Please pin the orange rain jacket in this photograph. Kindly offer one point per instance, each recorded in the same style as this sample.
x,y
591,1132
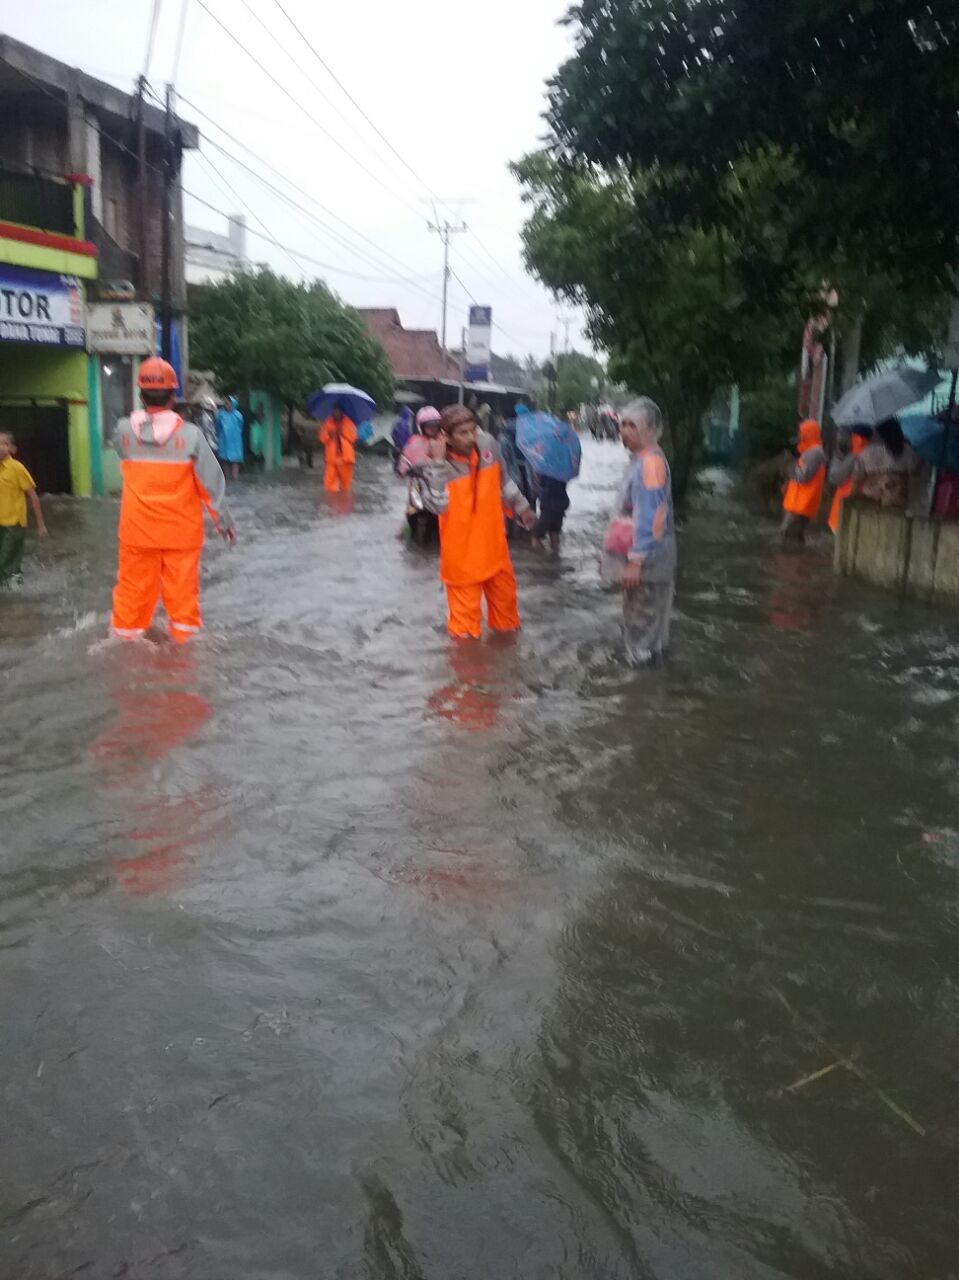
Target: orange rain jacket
x,y
339,444
469,495
804,491
169,475
841,475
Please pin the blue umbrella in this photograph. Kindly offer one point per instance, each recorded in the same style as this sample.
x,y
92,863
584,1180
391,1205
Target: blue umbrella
x,y
356,404
925,434
549,445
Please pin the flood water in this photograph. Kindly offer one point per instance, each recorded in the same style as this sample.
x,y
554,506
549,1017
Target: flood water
x,y
330,949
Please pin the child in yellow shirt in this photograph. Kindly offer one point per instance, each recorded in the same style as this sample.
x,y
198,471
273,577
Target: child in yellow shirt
x,y
16,486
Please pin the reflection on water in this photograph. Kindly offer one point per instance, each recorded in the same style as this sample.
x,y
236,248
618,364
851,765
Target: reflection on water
x,y
329,947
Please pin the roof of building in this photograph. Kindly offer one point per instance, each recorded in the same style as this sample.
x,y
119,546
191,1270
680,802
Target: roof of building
x,y
22,67
413,353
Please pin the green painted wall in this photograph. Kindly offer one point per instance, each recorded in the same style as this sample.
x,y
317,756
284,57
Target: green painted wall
x,y
58,374
271,413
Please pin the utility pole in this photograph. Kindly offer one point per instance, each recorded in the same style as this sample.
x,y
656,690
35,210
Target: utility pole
x,y
444,230
171,170
142,196
565,321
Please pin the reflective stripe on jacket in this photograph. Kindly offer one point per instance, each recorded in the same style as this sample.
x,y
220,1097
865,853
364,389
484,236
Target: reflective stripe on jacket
x,y
169,476
468,495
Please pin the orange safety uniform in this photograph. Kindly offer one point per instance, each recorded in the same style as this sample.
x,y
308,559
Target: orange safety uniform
x,y
169,475
469,496
858,443
804,491
338,440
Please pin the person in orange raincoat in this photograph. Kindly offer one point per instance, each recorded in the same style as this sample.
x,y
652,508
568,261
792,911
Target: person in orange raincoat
x,y
338,438
169,475
804,490
841,472
468,488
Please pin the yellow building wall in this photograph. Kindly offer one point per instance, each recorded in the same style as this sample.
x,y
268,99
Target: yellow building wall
x,y
56,374
40,258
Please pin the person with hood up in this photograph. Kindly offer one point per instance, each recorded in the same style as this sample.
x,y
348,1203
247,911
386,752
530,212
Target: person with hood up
x,y
643,535
804,490
338,436
423,523
468,488
229,434
169,476
841,471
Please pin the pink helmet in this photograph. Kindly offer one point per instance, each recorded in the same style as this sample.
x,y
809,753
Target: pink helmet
x,y
426,415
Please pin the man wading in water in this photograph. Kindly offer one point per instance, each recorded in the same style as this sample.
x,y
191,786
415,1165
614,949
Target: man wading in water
x,y
468,486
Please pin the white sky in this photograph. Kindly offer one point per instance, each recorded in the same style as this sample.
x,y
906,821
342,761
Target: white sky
x,y
456,88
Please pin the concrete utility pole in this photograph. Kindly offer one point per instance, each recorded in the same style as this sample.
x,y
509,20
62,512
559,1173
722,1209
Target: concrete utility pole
x,y
565,321
444,230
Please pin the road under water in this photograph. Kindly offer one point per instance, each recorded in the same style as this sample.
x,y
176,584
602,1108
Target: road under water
x,y
330,949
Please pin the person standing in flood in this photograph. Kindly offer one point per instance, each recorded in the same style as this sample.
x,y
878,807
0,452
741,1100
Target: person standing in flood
x,y
338,438
169,476
841,471
646,498
229,434
17,487
468,487
806,480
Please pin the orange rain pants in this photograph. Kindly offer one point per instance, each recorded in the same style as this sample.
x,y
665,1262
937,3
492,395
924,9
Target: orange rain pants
x,y
147,573
466,605
338,475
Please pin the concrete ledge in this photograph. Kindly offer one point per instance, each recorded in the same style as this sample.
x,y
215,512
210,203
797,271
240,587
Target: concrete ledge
x,y
905,553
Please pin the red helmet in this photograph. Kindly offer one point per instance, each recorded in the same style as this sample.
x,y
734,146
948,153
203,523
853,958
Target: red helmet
x,y
157,375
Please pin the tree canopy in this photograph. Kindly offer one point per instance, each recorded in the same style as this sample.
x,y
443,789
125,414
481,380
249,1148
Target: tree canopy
x,y
860,96
257,329
679,314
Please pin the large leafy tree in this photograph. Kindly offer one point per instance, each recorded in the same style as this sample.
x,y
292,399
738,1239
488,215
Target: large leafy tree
x,y
681,314
860,96
259,330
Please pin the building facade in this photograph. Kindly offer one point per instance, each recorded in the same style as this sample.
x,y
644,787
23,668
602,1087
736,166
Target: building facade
x,y
212,258
82,168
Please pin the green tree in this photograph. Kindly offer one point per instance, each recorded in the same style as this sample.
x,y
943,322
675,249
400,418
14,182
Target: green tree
x,y
852,102
259,330
674,311
578,379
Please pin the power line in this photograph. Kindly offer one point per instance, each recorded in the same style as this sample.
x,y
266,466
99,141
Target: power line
x,y
154,19
337,81
178,49
315,88
207,161
300,107
379,133
381,253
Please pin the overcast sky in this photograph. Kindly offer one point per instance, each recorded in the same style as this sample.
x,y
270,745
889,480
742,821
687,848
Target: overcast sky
x,y
455,88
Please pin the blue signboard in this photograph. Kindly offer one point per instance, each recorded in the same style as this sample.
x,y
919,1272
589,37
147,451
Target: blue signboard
x,y
40,309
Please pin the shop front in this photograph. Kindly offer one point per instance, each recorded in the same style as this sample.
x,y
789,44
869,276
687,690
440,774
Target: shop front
x,y
119,336
43,375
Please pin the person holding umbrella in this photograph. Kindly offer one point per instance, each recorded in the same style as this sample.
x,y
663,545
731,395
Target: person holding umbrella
x,y
339,408
338,436
551,448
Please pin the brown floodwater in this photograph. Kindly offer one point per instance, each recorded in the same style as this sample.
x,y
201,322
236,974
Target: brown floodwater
x,y
331,949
